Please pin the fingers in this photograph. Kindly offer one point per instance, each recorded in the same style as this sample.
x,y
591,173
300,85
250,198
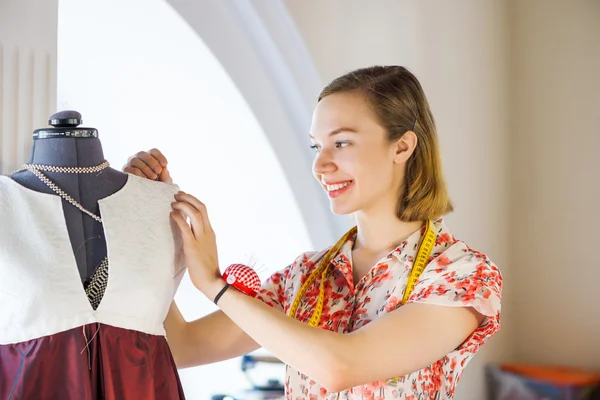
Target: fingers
x,y
149,160
186,233
149,165
190,211
134,171
158,156
143,167
165,176
199,206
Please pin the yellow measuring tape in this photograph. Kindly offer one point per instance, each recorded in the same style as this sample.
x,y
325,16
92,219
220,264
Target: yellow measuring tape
x,y
425,249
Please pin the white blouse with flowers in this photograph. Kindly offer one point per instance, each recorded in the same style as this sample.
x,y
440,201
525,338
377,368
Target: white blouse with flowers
x,y
456,276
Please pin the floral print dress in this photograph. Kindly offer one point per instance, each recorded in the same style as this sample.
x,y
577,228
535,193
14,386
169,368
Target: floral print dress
x,y
456,276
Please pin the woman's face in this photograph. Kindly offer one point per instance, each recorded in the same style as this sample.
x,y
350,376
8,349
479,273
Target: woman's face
x,y
355,163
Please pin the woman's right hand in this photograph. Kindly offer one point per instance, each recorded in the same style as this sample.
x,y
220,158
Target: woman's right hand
x,y
151,164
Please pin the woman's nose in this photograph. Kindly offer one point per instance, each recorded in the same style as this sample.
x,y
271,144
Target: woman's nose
x,y
323,163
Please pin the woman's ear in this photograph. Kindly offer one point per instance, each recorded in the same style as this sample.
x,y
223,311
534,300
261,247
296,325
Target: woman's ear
x,y
404,147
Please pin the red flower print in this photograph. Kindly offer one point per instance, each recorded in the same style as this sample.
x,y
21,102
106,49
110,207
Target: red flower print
x,y
392,304
443,261
444,238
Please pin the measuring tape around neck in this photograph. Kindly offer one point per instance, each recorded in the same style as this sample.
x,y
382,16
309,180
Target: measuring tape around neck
x,y
421,261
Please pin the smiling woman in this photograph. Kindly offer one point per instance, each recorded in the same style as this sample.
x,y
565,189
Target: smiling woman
x,y
400,304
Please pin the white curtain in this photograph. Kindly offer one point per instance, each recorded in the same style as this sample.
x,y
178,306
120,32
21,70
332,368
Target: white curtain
x,y
26,100
28,37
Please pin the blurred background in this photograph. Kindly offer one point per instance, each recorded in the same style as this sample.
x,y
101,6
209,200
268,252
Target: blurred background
x,y
225,88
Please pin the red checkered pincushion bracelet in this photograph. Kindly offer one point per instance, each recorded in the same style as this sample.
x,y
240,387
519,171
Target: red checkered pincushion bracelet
x,y
243,278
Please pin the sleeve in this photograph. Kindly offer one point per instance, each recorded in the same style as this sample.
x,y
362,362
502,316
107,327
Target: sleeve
x,y
272,291
461,277
277,291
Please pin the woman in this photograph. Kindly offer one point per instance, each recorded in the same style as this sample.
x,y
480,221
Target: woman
x,y
376,157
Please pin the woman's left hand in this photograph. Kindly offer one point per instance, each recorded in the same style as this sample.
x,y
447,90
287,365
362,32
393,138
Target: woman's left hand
x,y
199,241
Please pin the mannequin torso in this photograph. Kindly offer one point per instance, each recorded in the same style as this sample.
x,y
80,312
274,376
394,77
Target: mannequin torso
x,y
85,233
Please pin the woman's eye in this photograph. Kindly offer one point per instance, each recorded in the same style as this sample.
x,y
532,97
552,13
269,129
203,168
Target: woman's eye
x,y
338,144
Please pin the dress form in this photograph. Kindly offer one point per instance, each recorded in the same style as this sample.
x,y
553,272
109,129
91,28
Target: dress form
x,y
105,340
68,145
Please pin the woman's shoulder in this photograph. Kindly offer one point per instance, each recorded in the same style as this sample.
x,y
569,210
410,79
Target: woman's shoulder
x,y
457,262
456,250
459,274
305,261
309,259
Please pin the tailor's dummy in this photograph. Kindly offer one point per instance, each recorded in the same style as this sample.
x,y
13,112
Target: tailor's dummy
x,y
67,145
89,263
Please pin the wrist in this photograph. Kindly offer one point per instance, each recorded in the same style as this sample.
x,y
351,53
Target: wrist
x,y
212,287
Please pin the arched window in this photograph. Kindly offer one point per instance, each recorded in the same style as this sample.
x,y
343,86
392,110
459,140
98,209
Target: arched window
x,y
145,78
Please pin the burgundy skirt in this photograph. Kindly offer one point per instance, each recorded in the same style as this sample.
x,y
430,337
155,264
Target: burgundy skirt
x,y
116,364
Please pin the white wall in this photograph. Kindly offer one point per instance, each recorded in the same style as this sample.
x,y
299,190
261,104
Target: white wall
x,y
459,51
27,75
344,35
556,146
464,53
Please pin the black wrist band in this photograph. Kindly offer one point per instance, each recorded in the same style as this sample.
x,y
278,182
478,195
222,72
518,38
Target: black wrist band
x,y
227,285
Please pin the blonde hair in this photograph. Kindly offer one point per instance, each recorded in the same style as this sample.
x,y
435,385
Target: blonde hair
x,y
398,101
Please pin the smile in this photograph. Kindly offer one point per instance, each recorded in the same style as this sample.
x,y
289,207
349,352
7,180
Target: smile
x,y
337,186
336,189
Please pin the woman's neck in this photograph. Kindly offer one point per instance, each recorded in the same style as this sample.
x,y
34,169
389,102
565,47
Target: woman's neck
x,y
382,233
